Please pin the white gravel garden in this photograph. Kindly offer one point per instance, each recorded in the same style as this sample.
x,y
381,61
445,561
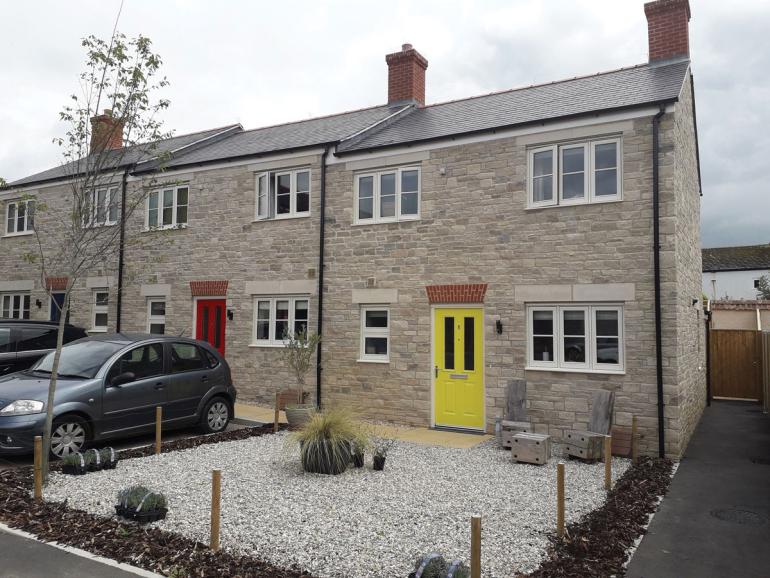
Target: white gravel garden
x,y
360,523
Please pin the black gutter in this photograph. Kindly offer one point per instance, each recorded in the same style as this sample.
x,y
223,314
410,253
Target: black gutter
x,y
121,247
656,257
495,129
321,242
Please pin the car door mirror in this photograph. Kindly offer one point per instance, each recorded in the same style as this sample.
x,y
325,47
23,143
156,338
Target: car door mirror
x,y
122,378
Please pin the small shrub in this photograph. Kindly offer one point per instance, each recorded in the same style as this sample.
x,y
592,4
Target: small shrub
x,y
382,446
72,460
326,441
133,497
436,566
106,455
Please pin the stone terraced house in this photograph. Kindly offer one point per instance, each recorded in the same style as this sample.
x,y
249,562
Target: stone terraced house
x,y
549,233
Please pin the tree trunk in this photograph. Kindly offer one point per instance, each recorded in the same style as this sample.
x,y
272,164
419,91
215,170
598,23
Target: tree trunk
x,y
52,385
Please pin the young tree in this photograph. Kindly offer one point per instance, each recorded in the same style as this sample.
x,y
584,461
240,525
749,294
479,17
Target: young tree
x,y
763,287
121,76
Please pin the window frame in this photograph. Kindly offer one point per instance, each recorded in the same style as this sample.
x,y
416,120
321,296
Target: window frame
x,y
29,218
91,210
156,319
374,332
25,303
376,195
175,224
99,309
558,363
271,179
589,178
272,341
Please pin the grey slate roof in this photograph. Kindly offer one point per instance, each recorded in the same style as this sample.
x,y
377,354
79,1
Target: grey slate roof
x,y
304,133
129,156
628,87
736,258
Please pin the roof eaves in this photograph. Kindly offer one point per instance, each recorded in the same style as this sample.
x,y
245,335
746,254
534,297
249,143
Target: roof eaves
x,y
195,145
494,129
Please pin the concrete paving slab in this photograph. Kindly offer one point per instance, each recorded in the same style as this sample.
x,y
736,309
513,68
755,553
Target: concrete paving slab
x,y
715,520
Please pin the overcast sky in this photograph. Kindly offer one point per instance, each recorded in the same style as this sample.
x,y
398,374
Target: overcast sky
x,y
261,63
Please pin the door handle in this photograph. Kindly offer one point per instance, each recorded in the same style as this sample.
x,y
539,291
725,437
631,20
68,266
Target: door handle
x,y
159,385
205,378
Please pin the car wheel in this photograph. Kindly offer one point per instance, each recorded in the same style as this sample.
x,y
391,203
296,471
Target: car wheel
x,y
69,435
216,415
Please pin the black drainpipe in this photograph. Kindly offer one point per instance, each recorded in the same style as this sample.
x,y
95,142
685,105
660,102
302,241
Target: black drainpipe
x,y
656,256
121,247
321,240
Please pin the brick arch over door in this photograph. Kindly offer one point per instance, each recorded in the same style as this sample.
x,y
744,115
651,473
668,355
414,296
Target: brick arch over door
x,y
462,293
208,288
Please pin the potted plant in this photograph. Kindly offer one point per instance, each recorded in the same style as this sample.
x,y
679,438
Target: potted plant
x,y
74,464
109,458
92,460
140,504
360,443
435,566
326,442
298,355
382,446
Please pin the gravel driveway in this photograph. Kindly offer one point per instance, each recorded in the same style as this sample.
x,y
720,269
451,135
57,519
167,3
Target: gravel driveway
x,y
361,523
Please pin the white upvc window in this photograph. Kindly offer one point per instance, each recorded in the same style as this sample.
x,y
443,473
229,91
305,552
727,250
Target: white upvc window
x,y
156,316
388,196
275,318
14,305
167,208
375,334
19,217
575,173
282,194
100,207
584,338
100,309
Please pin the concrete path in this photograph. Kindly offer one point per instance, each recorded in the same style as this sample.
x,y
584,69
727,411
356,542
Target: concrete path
x,y
22,557
715,520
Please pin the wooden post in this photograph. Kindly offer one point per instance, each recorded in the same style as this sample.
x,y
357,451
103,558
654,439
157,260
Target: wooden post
x,y
38,468
216,492
608,463
475,546
277,415
633,440
560,499
158,428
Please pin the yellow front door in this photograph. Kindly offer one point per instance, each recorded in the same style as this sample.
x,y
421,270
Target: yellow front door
x,y
459,368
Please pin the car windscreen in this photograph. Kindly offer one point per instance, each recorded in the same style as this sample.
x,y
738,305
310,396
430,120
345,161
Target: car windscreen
x,y
82,359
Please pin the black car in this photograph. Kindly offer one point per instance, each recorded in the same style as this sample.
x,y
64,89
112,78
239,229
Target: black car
x,y
109,387
23,342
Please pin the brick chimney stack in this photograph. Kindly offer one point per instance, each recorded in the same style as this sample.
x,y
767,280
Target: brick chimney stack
x,y
406,75
106,132
668,29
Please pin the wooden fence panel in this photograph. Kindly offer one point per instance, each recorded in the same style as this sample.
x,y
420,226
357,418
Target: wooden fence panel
x,y
736,364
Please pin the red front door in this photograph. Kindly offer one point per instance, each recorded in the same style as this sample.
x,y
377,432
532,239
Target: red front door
x,y
210,318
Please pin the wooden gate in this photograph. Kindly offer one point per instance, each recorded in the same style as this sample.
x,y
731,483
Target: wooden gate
x,y
736,363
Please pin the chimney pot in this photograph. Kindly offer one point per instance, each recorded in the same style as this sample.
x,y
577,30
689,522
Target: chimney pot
x,y
106,132
406,75
668,29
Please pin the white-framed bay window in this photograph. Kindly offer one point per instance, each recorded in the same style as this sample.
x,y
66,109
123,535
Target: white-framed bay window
x,y
575,173
283,194
100,309
375,334
575,337
100,207
20,217
387,196
156,315
14,305
275,318
167,208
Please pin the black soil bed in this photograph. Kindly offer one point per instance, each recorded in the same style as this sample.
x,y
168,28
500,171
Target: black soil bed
x,y
149,548
597,545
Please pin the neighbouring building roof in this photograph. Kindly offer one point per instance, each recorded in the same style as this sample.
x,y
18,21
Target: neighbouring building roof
x,y
134,154
745,258
740,305
625,88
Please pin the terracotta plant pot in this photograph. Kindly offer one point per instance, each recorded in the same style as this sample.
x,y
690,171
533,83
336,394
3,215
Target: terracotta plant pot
x,y
299,414
378,462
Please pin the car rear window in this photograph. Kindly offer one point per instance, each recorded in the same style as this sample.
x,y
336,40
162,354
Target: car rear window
x,y
36,338
186,357
83,358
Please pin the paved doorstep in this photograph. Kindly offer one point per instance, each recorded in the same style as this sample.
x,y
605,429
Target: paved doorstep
x,y
685,539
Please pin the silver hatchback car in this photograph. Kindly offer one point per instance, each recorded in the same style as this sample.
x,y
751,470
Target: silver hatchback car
x,y
109,387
